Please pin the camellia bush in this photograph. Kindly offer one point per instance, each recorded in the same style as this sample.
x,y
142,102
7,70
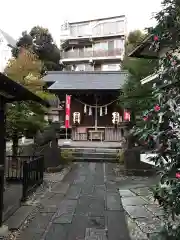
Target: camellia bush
x,y
161,122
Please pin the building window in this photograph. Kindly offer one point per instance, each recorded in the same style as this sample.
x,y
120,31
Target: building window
x,y
101,46
119,44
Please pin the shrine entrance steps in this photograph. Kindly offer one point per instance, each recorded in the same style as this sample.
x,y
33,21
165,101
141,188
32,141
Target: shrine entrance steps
x,y
93,154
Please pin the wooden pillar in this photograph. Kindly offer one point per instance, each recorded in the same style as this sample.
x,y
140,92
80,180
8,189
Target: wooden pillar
x,y
2,131
2,154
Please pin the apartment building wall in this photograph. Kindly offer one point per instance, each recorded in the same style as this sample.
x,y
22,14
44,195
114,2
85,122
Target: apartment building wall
x,y
92,28
102,45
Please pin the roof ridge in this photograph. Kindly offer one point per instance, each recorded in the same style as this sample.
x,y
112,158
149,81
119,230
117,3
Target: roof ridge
x,y
88,72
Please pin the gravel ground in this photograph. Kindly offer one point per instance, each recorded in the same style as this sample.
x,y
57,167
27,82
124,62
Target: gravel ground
x,y
50,180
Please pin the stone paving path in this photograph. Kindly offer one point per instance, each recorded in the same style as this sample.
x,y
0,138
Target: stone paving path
x,y
144,216
86,205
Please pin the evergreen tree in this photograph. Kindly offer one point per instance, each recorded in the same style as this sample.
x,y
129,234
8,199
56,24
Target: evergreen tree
x,y
161,121
134,95
25,116
40,41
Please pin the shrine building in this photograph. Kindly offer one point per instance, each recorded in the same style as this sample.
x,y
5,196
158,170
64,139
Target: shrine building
x,y
95,113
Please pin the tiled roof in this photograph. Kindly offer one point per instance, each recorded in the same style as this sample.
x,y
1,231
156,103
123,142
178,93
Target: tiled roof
x,y
99,80
8,38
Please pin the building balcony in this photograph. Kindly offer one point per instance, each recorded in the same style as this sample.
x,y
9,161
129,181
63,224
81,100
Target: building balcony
x,y
94,54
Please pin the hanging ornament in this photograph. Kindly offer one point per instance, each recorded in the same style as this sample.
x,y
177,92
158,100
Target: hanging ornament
x,y
90,111
85,108
105,110
76,117
101,113
115,118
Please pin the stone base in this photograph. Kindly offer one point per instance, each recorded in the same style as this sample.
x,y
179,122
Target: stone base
x,y
134,166
4,231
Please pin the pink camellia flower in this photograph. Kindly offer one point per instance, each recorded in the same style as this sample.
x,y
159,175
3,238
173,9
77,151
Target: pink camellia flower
x,y
156,38
178,175
145,118
157,108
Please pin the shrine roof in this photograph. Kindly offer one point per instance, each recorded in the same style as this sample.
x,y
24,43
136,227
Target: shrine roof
x,y
82,80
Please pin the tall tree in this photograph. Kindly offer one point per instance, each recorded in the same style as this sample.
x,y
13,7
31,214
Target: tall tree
x,y
23,116
40,41
134,94
162,118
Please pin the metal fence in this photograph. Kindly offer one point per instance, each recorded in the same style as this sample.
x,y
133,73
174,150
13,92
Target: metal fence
x,y
33,173
14,168
27,170
1,192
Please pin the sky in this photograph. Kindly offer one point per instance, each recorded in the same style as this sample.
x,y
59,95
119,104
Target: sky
x,y
20,15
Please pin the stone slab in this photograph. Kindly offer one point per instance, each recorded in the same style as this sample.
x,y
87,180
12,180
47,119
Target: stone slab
x,y
73,192
90,206
60,188
150,199
113,202
133,201
40,222
117,226
155,209
134,231
99,191
143,191
36,228
79,225
148,225
137,212
17,219
80,179
57,231
66,211
54,201
49,209
29,235
95,234
126,193
112,187
87,189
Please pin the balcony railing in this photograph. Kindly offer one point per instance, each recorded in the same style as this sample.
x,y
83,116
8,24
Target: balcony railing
x,y
92,53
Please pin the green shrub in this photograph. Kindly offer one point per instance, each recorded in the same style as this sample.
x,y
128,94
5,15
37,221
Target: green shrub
x,y
120,156
67,156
